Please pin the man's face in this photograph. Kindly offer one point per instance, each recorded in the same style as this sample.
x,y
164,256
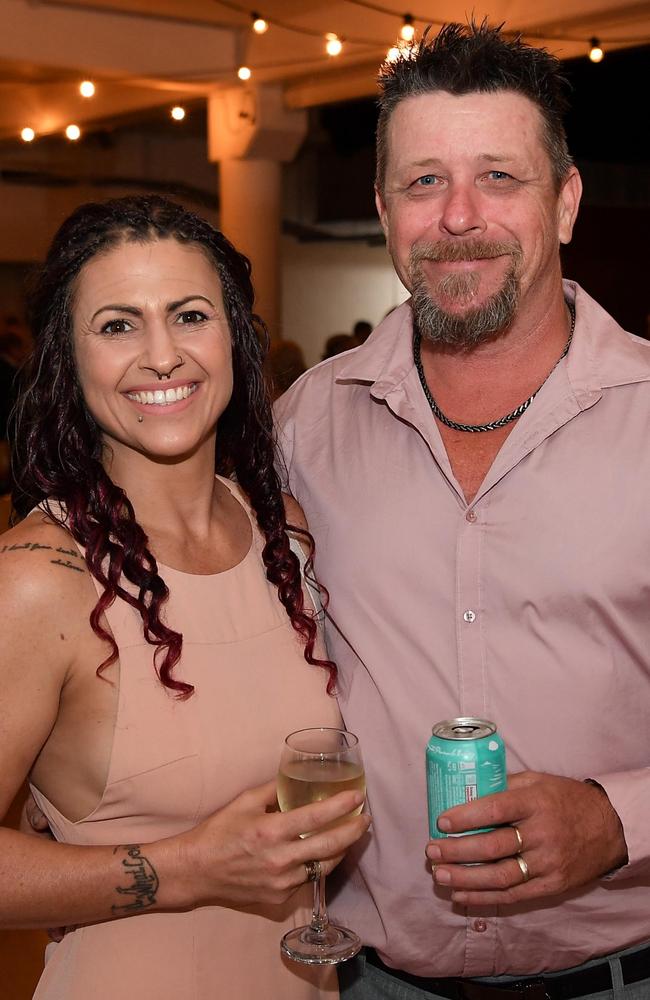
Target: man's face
x,y
471,213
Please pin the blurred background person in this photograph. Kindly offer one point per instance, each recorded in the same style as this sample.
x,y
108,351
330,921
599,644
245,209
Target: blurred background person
x,y
337,344
361,330
285,363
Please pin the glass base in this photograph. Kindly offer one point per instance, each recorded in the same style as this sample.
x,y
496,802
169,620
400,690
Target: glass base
x,y
327,947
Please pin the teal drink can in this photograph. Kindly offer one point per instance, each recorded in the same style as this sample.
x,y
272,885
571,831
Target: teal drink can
x,y
465,759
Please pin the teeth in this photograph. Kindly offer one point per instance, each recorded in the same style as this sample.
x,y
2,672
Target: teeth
x,y
163,397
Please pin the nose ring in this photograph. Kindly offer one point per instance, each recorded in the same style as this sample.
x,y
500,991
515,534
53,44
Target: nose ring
x,y
162,375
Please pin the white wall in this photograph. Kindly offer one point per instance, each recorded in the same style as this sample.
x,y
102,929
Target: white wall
x,y
327,287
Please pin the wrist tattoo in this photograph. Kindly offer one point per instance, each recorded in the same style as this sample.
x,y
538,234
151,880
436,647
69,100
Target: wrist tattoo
x,y
142,881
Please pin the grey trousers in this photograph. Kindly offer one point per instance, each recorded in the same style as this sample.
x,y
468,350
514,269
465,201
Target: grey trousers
x,y
358,980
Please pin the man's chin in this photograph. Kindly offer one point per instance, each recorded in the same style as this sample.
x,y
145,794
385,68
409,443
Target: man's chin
x,y
463,322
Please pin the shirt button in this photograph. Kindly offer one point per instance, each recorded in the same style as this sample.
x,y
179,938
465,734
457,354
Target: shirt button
x,y
469,616
480,925
470,516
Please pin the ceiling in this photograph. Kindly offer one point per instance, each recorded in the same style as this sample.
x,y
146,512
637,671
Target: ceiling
x,y
144,54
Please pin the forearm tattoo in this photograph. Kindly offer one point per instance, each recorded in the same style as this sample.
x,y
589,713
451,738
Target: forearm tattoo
x,y
37,547
141,881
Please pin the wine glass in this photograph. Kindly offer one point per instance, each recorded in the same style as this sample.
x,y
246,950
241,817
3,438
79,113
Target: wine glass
x,y
315,764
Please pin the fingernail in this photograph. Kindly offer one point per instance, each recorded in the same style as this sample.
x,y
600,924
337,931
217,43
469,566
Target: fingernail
x,y
433,852
444,824
442,876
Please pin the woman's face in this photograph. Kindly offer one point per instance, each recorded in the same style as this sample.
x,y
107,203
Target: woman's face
x,y
153,347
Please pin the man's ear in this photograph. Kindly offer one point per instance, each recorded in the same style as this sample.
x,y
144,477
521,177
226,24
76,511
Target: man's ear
x,y
567,204
381,211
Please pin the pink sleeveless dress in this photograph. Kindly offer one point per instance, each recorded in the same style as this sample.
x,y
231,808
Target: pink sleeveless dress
x,y
174,763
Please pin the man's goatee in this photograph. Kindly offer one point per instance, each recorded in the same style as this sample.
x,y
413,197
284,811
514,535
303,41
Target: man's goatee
x,y
477,324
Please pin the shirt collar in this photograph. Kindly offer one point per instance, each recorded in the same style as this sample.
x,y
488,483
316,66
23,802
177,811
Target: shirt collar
x,y
386,358
602,354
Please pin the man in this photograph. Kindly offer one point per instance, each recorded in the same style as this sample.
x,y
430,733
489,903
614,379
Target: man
x,y
475,478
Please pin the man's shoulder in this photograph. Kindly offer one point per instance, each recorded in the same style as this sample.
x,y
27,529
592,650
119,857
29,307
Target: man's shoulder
x,y
311,393
333,382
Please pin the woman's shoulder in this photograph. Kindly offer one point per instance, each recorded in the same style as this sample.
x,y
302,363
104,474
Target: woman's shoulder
x,y
40,564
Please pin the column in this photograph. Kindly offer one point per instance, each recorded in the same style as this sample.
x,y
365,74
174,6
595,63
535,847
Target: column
x,y
251,134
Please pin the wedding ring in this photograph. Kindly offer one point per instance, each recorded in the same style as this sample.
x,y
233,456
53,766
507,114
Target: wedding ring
x,y
520,843
523,867
313,871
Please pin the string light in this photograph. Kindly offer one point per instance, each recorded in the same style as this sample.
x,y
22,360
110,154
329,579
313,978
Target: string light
x,y
333,47
595,51
333,44
259,24
407,30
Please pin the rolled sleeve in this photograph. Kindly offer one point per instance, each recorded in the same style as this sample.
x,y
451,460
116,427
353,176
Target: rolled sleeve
x,y
629,795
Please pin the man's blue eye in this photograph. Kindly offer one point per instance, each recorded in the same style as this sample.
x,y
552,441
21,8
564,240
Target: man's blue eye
x,y
499,175
427,180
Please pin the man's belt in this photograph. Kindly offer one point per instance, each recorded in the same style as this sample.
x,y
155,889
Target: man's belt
x,y
563,986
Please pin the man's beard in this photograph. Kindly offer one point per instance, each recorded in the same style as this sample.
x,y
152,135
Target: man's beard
x,y
478,324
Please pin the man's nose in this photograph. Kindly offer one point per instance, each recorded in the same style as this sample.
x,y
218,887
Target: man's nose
x,y
461,211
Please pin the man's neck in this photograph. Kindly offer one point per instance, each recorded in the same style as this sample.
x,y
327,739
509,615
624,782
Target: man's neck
x,y
485,383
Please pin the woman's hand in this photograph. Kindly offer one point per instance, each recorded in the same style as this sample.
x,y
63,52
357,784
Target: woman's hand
x,y
247,854
33,820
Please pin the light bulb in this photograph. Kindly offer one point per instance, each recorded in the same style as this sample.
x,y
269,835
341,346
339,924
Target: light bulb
x,y
87,88
407,30
259,24
177,113
244,73
73,132
595,51
333,45
393,54
28,135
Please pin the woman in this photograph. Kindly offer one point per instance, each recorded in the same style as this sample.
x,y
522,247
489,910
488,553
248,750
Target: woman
x,y
157,646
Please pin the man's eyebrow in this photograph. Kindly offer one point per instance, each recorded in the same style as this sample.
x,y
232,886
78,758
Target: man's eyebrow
x,y
429,161
496,158
434,161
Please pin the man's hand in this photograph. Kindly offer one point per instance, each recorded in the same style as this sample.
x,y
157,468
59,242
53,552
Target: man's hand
x,y
570,835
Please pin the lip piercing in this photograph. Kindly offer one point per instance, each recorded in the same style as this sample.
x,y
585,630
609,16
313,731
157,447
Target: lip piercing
x,y
140,419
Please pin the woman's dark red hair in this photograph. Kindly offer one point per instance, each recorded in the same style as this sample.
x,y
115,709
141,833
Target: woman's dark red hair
x,y
58,445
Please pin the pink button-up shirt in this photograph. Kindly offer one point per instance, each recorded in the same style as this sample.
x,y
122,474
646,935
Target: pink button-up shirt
x,y
530,607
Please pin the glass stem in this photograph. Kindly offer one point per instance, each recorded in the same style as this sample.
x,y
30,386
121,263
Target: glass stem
x,y
319,918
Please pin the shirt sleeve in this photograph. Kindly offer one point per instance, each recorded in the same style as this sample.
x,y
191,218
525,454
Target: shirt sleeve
x,y
629,794
284,441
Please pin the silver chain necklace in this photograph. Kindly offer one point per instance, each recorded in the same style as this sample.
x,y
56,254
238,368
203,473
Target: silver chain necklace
x,y
494,424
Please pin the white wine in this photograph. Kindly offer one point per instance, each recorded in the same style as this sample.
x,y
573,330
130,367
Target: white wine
x,y
301,782
315,765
